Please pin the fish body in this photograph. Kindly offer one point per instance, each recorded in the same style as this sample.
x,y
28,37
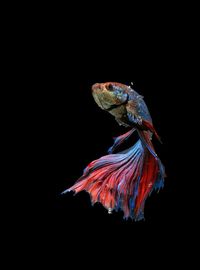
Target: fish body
x,y
123,180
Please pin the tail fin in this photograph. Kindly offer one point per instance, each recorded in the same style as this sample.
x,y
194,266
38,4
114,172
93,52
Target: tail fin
x,y
123,180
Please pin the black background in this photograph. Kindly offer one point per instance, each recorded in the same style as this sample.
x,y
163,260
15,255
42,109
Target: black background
x,y
73,130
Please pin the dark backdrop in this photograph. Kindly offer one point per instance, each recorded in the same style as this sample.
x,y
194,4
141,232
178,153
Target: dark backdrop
x,y
77,131
73,131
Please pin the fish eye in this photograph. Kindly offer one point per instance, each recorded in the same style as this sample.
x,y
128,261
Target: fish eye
x,y
110,87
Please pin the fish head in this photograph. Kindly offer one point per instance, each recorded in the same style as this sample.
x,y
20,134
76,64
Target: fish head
x,y
108,95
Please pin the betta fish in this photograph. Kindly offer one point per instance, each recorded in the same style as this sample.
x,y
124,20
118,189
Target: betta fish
x,y
123,180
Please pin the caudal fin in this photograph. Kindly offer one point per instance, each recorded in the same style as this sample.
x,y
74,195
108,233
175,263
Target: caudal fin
x,y
123,180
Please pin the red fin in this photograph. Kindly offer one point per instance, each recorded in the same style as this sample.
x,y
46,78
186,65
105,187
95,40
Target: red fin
x,y
150,127
120,139
148,177
124,180
146,139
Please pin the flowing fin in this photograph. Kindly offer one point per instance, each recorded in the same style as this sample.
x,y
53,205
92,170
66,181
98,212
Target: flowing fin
x,y
119,140
146,139
150,127
123,180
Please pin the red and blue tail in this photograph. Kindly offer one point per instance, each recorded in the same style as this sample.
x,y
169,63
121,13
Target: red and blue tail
x,y
125,179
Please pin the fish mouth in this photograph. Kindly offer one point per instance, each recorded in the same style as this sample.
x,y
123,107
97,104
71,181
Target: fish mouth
x,y
96,87
97,99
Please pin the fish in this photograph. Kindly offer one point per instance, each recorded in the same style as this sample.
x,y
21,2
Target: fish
x,y
123,180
